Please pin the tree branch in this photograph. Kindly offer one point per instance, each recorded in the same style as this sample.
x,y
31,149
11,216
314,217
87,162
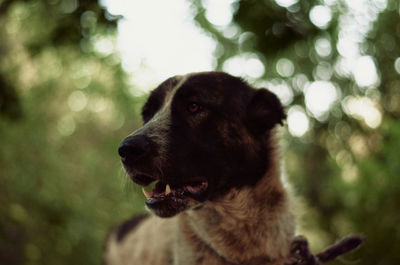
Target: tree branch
x,y
300,253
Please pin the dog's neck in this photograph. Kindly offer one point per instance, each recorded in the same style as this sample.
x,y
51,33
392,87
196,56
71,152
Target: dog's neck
x,y
251,225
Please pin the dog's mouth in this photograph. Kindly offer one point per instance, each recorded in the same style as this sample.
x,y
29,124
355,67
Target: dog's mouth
x,y
167,200
163,190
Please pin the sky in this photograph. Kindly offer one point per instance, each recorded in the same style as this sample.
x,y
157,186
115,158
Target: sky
x,y
158,39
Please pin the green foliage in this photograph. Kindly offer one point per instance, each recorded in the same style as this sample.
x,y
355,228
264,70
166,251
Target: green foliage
x,y
275,28
65,104
377,198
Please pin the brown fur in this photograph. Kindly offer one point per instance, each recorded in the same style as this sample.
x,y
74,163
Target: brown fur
x,y
251,225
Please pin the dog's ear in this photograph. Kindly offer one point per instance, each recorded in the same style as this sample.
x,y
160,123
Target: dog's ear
x,y
264,111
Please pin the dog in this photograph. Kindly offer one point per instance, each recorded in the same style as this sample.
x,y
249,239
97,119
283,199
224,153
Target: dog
x,y
209,142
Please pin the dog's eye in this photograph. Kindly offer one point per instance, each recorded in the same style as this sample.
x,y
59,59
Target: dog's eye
x,y
193,107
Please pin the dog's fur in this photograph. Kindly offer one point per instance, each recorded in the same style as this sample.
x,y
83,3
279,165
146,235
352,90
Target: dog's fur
x,y
210,137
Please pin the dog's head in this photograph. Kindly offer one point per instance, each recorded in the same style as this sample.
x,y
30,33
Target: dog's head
x,y
203,134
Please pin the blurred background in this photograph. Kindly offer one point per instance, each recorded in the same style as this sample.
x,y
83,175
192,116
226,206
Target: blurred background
x,y
75,73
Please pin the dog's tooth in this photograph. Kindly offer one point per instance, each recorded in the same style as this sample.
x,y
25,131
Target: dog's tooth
x,y
146,193
167,190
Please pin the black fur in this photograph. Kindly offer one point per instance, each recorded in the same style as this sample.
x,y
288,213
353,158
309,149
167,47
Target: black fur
x,y
264,111
127,226
223,142
156,98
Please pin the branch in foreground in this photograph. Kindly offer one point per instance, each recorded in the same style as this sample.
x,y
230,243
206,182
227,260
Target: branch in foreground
x,y
300,253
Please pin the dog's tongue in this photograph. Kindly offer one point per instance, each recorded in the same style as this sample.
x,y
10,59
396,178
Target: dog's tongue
x,y
197,188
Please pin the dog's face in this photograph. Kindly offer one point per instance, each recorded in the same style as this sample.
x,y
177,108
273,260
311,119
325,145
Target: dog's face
x,y
203,134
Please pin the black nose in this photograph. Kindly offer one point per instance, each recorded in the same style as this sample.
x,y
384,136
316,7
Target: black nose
x,y
133,147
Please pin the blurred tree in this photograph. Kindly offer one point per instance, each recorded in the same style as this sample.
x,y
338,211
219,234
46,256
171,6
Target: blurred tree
x,y
64,99
60,23
63,96
344,165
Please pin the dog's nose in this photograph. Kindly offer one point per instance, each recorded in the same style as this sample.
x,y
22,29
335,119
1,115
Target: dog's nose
x,y
133,147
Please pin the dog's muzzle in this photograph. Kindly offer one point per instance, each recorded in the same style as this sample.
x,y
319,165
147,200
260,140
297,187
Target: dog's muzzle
x,y
133,151
168,197
133,148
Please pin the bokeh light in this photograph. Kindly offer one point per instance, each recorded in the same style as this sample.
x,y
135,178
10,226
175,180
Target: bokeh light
x,y
245,65
320,16
77,101
286,3
364,109
397,65
298,122
323,47
365,72
323,71
285,67
320,96
66,125
219,13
